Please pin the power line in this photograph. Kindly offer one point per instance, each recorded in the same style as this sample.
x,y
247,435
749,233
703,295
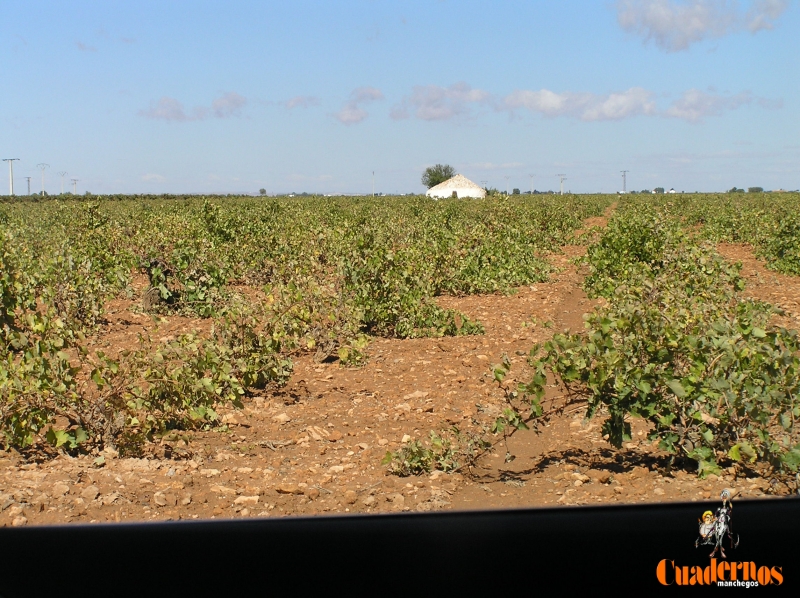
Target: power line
x,y
624,181
530,175
10,174
75,186
62,174
41,167
563,178
29,184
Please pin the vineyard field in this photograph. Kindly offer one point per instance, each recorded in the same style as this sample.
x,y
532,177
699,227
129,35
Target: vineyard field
x,y
186,357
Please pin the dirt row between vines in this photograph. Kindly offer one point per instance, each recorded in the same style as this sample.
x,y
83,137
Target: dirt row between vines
x,y
315,447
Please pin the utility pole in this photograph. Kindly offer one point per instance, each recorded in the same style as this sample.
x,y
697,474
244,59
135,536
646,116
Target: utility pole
x,y
624,181
41,167
507,186
62,174
530,175
75,186
563,178
10,174
29,184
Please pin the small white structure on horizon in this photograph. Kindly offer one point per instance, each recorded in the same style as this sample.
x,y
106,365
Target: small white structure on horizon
x,y
458,186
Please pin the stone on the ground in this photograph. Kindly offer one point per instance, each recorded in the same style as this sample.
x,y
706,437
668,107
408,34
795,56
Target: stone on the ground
x,y
246,500
90,492
60,490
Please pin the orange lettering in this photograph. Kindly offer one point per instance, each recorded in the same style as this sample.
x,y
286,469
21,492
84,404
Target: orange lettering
x,y
661,572
749,571
668,573
777,575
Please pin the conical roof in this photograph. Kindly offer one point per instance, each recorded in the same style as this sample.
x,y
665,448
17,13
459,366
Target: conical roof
x,y
460,184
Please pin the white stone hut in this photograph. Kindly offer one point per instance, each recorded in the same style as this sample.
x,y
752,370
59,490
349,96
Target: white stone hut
x,y
458,186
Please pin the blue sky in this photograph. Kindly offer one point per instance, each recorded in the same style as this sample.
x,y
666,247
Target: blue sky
x,y
213,97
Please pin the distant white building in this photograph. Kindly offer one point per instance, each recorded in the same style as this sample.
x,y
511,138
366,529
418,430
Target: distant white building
x,y
458,186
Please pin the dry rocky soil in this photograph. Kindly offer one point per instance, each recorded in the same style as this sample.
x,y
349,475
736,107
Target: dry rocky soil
x,y
315,446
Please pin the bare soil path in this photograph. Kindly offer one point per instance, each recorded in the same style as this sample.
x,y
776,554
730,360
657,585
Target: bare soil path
x,y
316,446
778,289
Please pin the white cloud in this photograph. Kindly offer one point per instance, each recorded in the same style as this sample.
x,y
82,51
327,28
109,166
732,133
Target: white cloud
x,y
366,94
170,109
84,48
432,102
694,105
674,25
153,178
352,112
616,106
583,105
230,104
763,12
768,104
301,102
350,115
